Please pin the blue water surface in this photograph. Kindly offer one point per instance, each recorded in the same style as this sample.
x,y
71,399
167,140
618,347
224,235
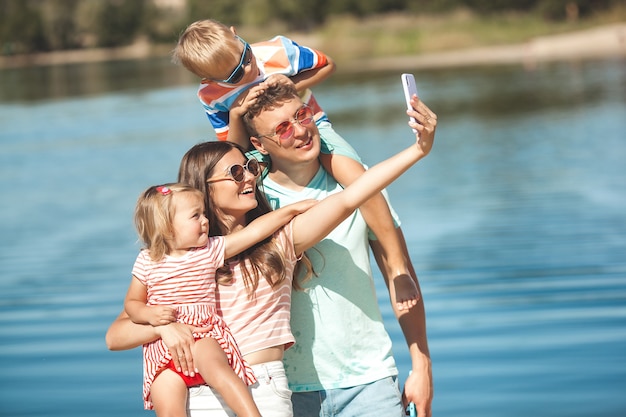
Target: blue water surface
x,y
516,224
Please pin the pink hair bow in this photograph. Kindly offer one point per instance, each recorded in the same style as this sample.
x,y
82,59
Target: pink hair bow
x,y
164,190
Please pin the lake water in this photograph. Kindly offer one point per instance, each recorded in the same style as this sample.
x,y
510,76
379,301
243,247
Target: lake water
x,y
516,224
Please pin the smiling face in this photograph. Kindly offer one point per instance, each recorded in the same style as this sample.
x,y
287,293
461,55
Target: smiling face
x,y
233,199
303,146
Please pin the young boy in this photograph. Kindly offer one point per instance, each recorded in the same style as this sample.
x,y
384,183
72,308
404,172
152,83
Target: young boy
x,y
233,73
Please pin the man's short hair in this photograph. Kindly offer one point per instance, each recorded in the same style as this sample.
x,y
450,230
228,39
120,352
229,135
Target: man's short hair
x,y
273,96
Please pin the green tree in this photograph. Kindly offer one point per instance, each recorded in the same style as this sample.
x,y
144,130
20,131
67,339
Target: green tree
x,y
59,24
226,11
120,22
21,28
571,9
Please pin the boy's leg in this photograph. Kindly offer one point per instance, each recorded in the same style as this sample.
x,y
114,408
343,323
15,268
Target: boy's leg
x,y
394,265
168,393
405,291
213,365
379,219
333,143
344,164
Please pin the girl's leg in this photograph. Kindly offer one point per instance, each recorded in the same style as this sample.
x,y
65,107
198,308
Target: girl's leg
x,y
212,364
169,395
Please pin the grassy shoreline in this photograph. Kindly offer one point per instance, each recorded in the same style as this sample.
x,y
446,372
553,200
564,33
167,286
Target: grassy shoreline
x,y
404,40
401,34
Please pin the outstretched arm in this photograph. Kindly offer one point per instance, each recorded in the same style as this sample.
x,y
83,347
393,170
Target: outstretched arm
x,y
263,227
334,209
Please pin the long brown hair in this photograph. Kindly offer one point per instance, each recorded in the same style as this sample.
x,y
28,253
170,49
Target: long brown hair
x,y
266,258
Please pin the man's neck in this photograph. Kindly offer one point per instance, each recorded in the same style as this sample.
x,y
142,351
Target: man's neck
x,y
294,176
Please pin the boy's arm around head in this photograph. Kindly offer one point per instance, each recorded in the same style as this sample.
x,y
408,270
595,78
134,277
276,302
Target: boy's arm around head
x,y
334,209
302,80
263,227
237,132
312,77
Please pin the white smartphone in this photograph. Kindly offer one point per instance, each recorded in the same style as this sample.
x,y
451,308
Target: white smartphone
x,y
408,85
411,411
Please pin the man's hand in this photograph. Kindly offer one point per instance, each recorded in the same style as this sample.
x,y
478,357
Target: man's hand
x,y
419,390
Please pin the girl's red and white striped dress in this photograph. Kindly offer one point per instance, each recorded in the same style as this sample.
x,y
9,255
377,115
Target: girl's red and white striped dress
x,y
188,284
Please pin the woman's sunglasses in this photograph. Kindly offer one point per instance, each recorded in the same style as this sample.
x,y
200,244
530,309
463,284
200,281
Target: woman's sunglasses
x,y
240,70
237,172
285,130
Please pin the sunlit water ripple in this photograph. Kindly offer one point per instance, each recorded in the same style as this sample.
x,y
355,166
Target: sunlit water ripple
x,y
515,224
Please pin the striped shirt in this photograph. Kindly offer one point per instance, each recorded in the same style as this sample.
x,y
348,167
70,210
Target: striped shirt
x,y
262,321
189,279
188,284
278,55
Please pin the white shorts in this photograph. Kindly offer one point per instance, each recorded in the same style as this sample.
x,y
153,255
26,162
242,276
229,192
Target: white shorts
x,y
270,393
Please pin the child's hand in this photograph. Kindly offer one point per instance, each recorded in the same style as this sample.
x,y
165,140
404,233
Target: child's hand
x,y
275,79
161,315
245,99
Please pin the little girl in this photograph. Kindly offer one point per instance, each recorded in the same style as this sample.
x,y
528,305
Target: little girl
x,y
174,280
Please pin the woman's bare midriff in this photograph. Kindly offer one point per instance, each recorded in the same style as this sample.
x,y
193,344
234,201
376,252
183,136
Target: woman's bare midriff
x,y
274,353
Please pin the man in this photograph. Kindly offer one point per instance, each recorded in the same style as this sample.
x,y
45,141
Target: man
x,y
341,364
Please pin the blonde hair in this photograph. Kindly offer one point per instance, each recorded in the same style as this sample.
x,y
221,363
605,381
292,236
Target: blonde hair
x,y
154,216
207,48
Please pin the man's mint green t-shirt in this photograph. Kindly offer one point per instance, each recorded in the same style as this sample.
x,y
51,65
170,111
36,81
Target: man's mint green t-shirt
x,y
340,337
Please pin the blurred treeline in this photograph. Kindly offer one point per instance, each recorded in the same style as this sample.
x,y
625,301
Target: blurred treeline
x,y
28,26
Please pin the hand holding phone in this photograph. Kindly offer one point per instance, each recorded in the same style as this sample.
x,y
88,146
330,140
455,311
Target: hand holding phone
x,y
409,87
410,410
